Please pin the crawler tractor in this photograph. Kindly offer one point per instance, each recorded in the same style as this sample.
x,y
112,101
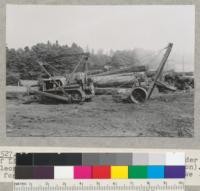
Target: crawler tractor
x,y
75,87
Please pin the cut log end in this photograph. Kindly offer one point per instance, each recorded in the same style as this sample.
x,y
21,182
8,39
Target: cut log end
x,y
138,95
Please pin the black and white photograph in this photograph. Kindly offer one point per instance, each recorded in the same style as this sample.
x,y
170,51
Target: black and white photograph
x,y
100,70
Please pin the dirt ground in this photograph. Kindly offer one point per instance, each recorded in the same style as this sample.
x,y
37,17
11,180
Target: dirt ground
x,y
167,115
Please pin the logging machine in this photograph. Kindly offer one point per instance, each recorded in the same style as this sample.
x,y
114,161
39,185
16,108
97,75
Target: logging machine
x,y
72,88
140,94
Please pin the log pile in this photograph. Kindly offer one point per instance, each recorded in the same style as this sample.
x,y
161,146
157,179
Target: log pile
x,y
122,78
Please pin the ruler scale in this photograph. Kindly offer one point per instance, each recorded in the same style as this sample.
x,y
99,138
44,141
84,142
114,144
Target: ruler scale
x,y
99,186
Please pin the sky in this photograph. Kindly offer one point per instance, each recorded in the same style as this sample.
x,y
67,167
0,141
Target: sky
x,y
104,27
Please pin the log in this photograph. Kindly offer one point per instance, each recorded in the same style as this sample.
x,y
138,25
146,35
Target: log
x,y
124,70
16,92
105,91
93,72
28,83
49,95
135,95
113,81
118,80
16,89
122,95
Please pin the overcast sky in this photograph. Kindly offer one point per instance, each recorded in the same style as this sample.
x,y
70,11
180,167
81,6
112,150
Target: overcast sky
x,y
103,27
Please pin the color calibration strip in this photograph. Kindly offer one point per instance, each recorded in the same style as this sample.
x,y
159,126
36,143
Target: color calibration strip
x,y
100,166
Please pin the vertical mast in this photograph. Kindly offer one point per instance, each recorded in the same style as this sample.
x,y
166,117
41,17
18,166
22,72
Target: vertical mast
x,y
160,69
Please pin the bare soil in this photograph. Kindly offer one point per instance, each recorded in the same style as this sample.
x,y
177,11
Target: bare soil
x,y
165,115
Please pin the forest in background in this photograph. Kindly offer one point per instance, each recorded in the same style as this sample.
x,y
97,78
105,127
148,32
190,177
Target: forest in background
x,y
22,62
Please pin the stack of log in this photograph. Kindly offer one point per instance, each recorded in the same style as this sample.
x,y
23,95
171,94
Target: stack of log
x,y
119,83
124,78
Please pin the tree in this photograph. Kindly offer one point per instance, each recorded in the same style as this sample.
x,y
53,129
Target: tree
x,y
22,63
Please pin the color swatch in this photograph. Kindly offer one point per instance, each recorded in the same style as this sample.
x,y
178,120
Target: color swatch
x,y
156,172
138,172
100,166
82,172
101,172
119,172
63,172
